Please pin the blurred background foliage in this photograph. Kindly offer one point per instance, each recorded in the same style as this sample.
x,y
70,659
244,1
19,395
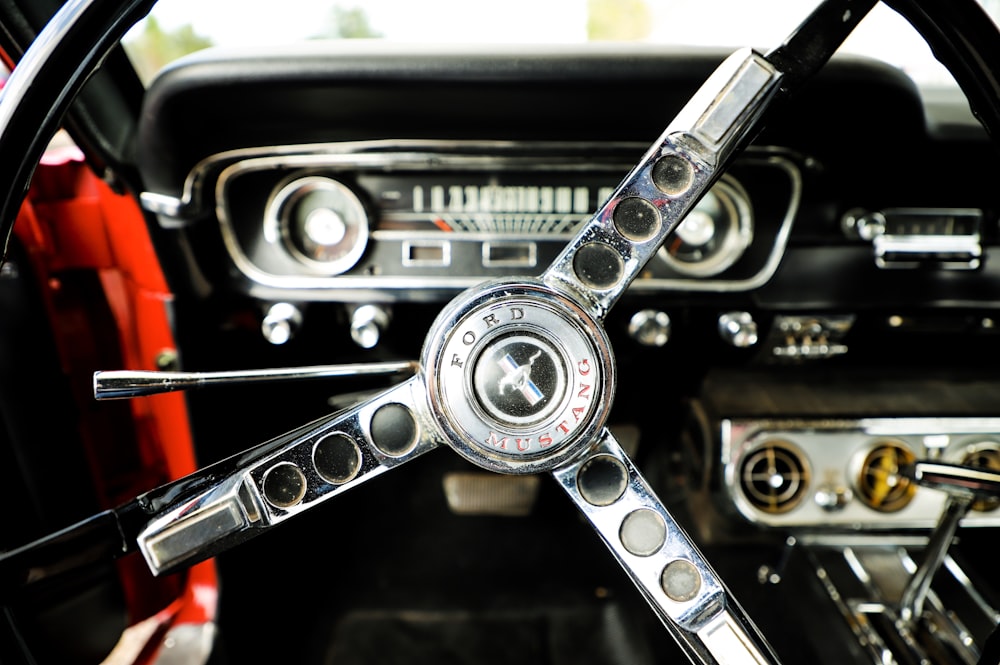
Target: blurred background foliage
x,y
152,47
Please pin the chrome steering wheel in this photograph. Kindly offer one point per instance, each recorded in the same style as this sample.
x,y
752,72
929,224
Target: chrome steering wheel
x,y
515,376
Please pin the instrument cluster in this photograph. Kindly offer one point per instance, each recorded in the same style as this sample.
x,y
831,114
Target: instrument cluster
x,y
413,218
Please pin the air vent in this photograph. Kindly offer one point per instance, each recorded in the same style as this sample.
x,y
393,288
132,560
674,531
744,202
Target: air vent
x,y
881,486
774,477
984,456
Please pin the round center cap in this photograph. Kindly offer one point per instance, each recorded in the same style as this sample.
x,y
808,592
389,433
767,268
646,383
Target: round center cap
x,y
519,379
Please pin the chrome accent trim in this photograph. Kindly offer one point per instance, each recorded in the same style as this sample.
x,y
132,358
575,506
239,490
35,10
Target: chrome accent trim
x,y
770,267
834,448
868,600
962,578
232,509
893,252
947,250
957,479
124,384
189,205
38,55
911,604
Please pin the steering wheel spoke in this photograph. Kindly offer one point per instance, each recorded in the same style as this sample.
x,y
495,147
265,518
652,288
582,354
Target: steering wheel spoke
x,y
663,562
234,500
610,250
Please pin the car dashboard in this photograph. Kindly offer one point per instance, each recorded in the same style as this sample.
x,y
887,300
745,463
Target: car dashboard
x,y
826,316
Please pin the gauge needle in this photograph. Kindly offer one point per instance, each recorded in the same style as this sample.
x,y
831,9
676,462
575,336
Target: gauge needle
x,y
885,470
443,225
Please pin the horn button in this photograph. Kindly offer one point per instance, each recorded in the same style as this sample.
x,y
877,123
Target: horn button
x,y
520,376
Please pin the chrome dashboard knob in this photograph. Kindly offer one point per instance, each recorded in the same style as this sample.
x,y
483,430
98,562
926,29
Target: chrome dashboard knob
x,y
368,322
650,327
739,329
281,322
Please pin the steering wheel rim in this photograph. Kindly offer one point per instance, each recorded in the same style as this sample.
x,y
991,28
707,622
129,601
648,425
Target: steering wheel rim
x,y
568,301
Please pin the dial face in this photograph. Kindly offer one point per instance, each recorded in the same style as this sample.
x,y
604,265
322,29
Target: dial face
x,y
882,485
321,223
714,235
504,203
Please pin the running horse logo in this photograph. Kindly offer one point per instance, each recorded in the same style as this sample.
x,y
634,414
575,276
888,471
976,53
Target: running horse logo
x,y
518,377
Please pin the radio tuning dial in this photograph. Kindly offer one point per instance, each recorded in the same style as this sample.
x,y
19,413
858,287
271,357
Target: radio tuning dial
x,y
320,222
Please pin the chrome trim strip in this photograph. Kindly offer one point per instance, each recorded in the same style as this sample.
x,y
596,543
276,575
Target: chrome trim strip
x,y
530,260
189,204
124,384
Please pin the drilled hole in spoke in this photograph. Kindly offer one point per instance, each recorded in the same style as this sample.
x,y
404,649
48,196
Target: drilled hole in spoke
x,y
602,480
394,430
284,485
337,458
643,532
636,219
598,266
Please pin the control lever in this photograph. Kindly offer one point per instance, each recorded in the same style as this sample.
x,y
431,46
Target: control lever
x,y
963,484
124,384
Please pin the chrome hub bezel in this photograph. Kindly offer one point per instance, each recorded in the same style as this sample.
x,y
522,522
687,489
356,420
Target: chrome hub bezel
x,y
482,423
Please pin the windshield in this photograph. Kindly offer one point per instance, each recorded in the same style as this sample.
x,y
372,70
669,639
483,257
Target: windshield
x,y
177,27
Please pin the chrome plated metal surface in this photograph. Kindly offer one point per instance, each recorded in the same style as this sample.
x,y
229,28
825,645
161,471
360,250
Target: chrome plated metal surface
x,y
946,238
911,605
866,580
836,451
661,559
610,250
520,376
123,384
958,480
330,457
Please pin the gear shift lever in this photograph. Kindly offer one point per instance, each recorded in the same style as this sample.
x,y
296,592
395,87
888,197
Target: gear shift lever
x,y
963,484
